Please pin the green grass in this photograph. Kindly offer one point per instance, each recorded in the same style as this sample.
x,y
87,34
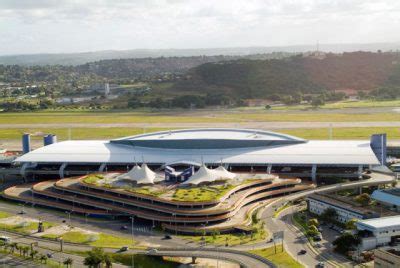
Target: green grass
x,y
310,117
112,241
231,239
92,179
280,209
4,215
95,240
343,133
24,228
343,104
102,117
281,259
144,190
203,193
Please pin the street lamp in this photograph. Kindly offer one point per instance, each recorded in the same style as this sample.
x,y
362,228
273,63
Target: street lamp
x,y
176,230
133,255
69,217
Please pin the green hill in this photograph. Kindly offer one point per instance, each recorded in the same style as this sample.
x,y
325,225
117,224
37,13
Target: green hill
x,y
307,74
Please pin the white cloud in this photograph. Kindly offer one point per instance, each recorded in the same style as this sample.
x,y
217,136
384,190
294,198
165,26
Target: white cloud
x,y
29,26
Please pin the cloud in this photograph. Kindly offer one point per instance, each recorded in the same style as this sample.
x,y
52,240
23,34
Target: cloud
x,y
78,25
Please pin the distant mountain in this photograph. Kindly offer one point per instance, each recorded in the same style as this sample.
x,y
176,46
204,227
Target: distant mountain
x,y
85,57
313,73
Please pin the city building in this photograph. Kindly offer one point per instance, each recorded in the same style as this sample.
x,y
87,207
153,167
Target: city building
x,y
238,150
318,203
388,197
387,258
378,232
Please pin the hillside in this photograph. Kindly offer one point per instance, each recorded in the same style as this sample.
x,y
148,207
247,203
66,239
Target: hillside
x,y
306,74
85,57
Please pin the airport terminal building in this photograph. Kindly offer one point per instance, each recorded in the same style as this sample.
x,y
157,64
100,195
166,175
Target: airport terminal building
x,y
238,150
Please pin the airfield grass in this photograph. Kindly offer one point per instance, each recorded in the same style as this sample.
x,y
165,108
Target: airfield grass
x,y
311,117
343,133
199,116
114,132
280,259
343,105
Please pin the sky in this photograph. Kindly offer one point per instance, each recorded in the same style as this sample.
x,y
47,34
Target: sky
x,y
54,26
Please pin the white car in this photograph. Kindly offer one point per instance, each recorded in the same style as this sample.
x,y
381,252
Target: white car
x,y
152,251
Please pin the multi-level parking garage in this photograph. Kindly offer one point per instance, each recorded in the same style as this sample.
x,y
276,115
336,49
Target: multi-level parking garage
x,y
74,194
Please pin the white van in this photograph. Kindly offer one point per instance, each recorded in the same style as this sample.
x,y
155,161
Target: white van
x,y
5,238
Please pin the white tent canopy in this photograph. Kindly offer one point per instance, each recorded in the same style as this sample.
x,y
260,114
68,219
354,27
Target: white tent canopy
x,y
142,175
205,174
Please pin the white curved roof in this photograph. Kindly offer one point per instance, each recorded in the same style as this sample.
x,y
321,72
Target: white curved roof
x,y
142,175
320,152
205,174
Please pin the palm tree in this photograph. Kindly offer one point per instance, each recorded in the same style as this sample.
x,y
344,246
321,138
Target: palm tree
x,y
25,250
108,260
13,247
68,262
43,258
95,257
33,254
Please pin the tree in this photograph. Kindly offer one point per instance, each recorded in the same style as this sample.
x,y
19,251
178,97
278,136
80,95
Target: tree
x,y
25,250
43,258
68,262
329,215
108,260
346,242
33,253
314,222
317,101
351,224
312,230
13,247
95,258
363,199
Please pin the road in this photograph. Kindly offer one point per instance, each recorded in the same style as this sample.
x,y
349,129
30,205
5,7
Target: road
x,y
294,239
53,247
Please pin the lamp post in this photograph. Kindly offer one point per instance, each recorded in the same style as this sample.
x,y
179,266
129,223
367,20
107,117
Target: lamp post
x,y
69,217
133,255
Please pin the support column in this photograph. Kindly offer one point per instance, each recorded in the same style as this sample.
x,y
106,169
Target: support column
x,y
360,170
269,168
193,260
23,171
61,170
314,173
102,167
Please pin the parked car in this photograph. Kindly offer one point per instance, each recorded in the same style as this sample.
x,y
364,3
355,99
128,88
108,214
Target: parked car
x,y
124,227
320,265
302,252
167,237
124,248
152,251
22,212
318,245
